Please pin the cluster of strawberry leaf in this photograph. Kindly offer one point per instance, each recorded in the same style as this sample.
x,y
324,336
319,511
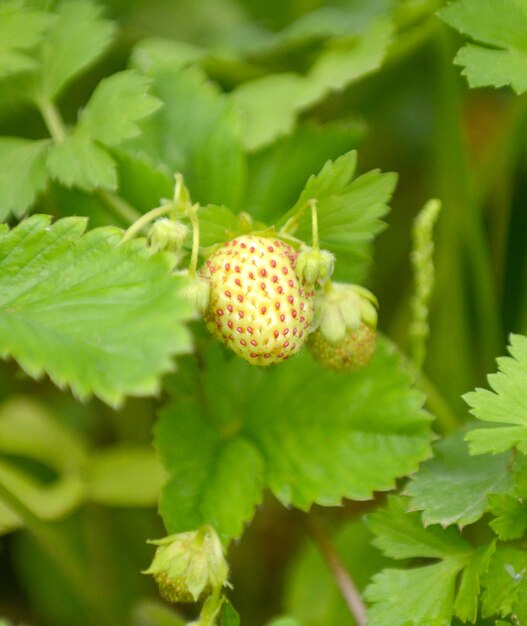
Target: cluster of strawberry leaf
x,y
438,528
108,319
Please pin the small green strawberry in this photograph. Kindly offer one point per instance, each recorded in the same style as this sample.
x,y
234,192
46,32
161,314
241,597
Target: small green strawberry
x,y
258,307
351,353
189,566
344,337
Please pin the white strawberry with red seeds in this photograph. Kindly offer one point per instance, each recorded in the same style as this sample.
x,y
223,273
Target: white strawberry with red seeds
x,y
259,308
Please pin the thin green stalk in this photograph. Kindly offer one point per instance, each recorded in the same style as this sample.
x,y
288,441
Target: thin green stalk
x,y
337,569
58,550
53,119
144,220
290,227
315,240
193,216
447,420
119,206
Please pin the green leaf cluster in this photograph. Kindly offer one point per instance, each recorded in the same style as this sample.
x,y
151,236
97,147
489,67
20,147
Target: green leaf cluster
x,y
505,407
100,318
467,579
61,45
447,585
500,27
253,429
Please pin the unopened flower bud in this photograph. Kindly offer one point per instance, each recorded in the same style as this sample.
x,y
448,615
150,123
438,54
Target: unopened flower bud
x,y
314,265
167,235
188,566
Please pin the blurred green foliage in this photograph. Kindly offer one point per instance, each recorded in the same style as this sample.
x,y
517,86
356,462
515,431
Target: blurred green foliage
x,y
409,111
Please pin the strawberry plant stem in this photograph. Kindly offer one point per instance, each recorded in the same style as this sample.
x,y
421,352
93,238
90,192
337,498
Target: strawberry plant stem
x,y
193,216
144,220
58,550
315,243
53,119
336,567
446,418
120,207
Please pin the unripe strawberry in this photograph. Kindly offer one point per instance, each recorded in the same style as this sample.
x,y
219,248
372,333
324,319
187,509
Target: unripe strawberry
x,y
351,353
258,307
188,566
346,317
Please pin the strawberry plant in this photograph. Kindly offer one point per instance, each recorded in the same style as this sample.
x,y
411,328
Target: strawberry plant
x,y
244,377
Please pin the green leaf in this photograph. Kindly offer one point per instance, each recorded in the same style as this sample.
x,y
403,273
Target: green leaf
x,y
21,29
216,224
423,596
505,404
501,26
504,584
278,174
142,182
197,133
466,605
214,479
98,317
76,39
401,535
511,516
269,105
124,476
284,621
228,615
349,212
253,426
351,58
430,594
79,162
116,106
475,478
22,174
153,52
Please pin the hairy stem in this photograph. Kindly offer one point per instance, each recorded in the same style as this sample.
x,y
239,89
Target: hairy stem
x,y
58,550
290,227
315,241
336,567
144,220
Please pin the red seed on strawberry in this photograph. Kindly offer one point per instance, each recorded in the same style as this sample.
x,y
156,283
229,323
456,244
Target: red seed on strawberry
x,y
266,310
